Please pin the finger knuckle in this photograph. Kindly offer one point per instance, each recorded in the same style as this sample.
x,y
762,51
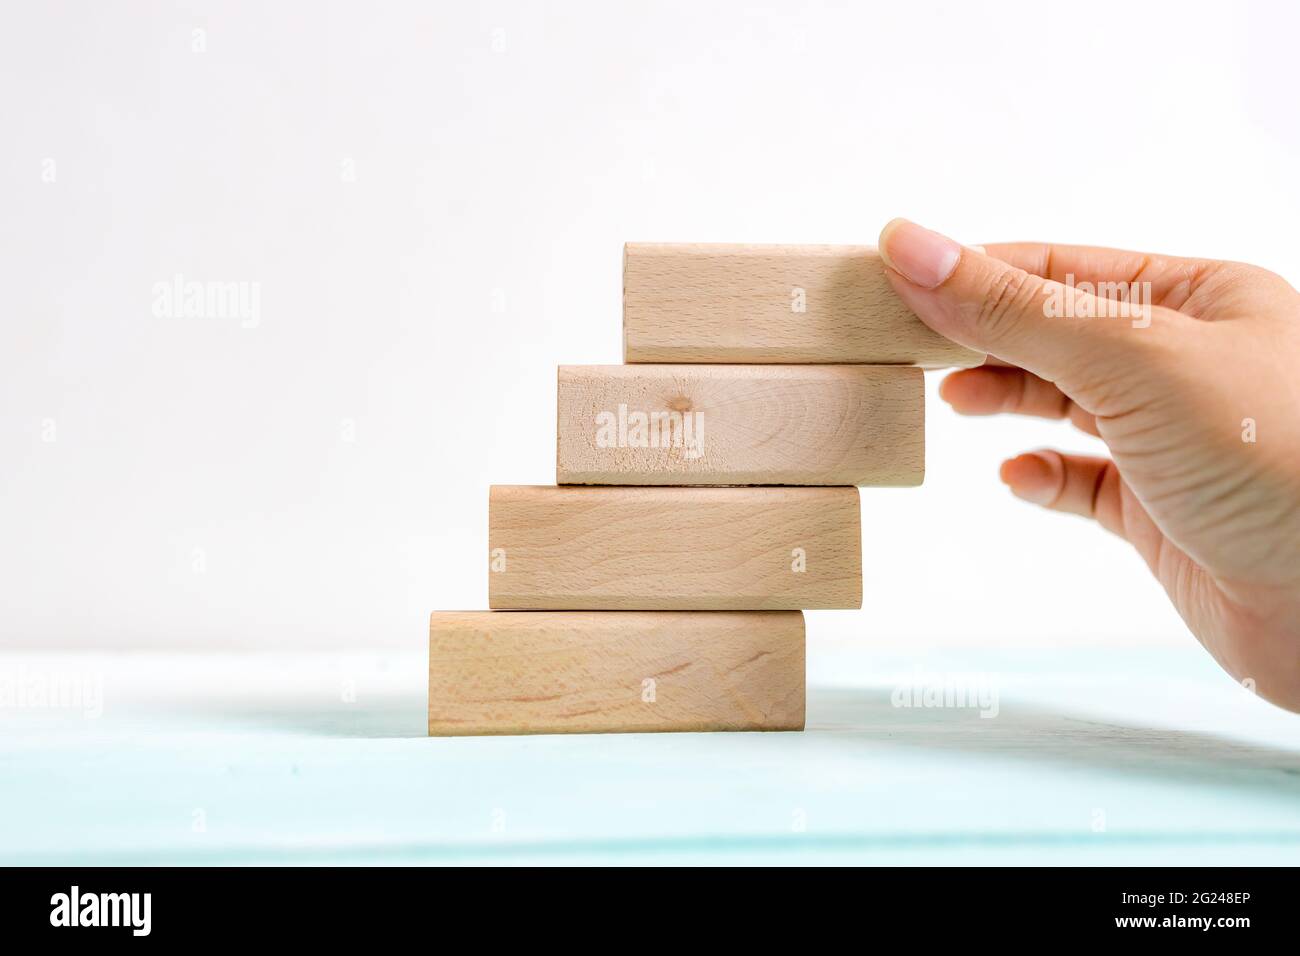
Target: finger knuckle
x,y
1221,278
1006,296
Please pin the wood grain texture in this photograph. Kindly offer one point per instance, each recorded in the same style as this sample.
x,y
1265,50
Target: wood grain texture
x,y
741,303
554,672
740,425
673,549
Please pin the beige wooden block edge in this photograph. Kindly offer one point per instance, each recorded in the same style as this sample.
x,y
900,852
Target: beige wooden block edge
x,y
546,672
685,549
740,425
740,303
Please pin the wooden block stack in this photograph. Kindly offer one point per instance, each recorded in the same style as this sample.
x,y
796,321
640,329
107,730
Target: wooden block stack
x,y
705,496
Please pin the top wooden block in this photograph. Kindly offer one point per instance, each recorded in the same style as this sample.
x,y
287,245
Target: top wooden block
x,y
697,303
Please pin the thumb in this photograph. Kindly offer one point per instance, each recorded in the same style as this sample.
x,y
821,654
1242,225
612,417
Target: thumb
x,y
1060,334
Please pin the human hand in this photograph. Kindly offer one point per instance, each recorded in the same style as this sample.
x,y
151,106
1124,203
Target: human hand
x,y
1194,390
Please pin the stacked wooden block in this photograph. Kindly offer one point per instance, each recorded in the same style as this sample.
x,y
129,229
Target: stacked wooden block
x,y
706,495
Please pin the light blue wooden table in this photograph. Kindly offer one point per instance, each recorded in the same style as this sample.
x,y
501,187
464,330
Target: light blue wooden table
x,y
260,758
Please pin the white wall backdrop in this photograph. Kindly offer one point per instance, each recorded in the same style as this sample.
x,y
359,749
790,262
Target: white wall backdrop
x,y
425,205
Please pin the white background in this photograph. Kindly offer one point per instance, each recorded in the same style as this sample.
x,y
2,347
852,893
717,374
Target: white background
x,y
433,199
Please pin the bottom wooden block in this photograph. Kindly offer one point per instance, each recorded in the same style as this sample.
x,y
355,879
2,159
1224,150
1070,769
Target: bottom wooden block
x,y
555,672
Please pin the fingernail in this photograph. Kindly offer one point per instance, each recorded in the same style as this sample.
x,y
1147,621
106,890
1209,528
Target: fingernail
x,y
923,257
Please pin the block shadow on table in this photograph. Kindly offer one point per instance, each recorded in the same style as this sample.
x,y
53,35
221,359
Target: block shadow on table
x,y
855,716
1022,732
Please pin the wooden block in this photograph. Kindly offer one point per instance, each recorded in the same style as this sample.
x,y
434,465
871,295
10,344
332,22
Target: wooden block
x,y
555,672
771,304
674,549
741,425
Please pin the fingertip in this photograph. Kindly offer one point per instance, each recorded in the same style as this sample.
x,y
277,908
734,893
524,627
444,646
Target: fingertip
x,y
946,387
1005,471
976,391
1031,477
955,389
884,234
922,256
1019,471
